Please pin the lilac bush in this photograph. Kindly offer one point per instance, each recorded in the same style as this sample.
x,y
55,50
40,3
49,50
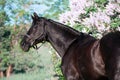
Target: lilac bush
x,y
93,15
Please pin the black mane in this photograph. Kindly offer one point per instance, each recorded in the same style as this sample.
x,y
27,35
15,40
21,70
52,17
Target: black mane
x,y
65,27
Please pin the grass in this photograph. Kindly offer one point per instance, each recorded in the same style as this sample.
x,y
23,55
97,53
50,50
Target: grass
x,y
24,77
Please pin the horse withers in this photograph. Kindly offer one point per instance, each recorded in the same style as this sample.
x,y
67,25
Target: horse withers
x,y
83,56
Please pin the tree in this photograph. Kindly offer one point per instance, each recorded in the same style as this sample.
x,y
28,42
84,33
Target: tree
x,y
3,16
14,17
55,8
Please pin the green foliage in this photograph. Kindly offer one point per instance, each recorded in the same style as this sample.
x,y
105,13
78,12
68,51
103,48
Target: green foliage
x,y
4,61
115,23
2,2
5,39
56,8
91,9
101,3
5,47
3,17
58,70
57,65
23,62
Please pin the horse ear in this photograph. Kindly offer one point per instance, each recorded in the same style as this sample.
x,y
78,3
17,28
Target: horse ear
x,y
32,17
35,15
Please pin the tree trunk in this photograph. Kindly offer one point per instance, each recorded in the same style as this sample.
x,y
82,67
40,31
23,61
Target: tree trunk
x,y
1,74
9,71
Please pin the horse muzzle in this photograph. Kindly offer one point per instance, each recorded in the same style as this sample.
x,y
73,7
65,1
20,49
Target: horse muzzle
x,y
25,46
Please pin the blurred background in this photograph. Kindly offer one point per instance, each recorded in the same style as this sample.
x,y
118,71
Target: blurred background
x,y
95,17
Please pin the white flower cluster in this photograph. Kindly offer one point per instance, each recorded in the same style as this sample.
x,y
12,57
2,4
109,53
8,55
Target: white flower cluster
x,y
100,19
77,7
112,7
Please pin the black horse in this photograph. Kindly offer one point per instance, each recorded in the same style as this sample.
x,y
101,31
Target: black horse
x,y
83,56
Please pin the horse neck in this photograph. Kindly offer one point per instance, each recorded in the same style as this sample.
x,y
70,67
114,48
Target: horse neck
x,y
60,36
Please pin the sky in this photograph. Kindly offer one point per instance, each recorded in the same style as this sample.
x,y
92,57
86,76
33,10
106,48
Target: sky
x,y
39,8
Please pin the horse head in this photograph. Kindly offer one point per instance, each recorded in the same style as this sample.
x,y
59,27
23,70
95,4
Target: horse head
x,y
35,34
